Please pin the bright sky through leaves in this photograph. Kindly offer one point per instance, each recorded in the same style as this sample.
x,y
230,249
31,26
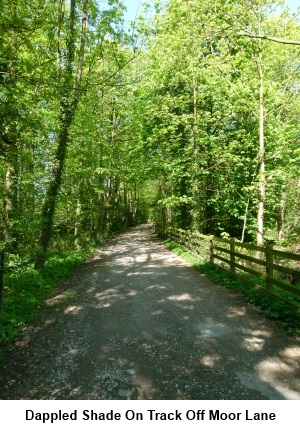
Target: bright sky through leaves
x,y
135,6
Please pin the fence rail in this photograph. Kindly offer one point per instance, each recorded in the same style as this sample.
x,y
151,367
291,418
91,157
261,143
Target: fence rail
x,y
274,273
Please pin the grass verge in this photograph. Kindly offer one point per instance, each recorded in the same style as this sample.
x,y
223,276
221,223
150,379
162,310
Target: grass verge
x,y
279,311
26,290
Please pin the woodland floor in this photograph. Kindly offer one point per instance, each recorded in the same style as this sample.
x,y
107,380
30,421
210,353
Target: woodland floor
x,y
142,324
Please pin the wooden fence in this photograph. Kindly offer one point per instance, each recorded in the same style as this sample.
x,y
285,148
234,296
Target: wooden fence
x,y
274,272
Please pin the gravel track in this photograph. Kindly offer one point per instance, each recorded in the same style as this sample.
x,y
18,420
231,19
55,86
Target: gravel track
x,y
142,324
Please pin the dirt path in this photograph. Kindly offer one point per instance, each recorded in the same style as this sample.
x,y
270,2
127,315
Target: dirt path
x,y
142,324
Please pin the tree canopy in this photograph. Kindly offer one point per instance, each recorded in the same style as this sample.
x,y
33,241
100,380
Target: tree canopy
x,y
189,118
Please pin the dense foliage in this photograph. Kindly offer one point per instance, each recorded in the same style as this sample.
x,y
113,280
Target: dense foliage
x,y
196,126
222,108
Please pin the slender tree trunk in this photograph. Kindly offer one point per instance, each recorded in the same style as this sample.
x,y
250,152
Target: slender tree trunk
x,y
262,170
196,216
245,221
126,211
5,226
77,216
60,18
11,197
280,219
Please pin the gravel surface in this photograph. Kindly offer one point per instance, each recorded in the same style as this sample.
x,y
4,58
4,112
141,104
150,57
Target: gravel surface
x,y
142,324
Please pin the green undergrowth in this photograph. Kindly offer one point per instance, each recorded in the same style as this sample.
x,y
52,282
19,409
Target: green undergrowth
x,y
26,289
288,318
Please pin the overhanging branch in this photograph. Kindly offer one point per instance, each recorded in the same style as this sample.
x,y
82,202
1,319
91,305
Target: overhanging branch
x,y
272,39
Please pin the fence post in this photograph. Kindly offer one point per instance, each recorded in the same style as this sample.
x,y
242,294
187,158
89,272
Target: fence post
x,y
232,256
211,259
269,267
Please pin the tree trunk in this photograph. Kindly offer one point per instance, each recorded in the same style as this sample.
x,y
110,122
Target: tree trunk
x,y
49,206
262,172
68,105
196,172
280,219
245,220
11,196
77,216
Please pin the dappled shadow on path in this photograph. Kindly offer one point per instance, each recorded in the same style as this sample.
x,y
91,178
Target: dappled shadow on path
x,y
142,324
